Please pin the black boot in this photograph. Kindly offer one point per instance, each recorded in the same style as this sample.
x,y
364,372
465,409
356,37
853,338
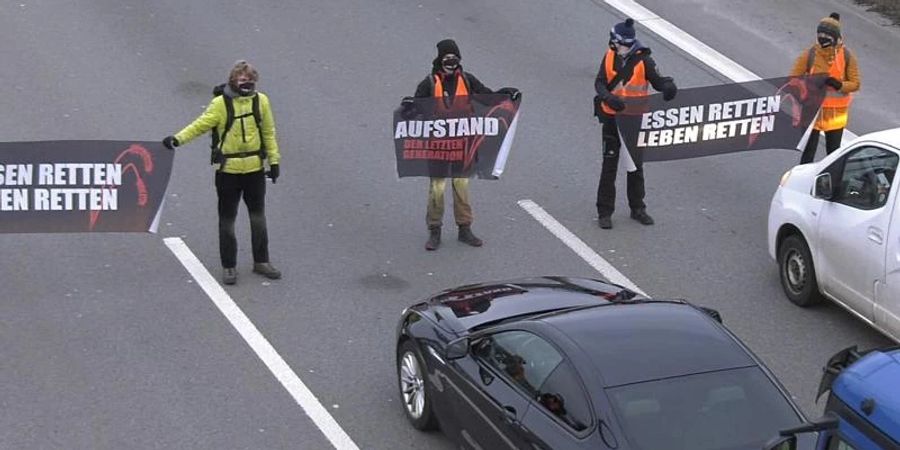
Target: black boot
x,y
229,275
605,222
434,239
467,237
267,270
641,216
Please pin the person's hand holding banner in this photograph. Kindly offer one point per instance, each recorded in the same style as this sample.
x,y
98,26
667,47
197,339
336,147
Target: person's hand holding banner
x,y
834,82
513,93
669,90
614,102
170,142
408,107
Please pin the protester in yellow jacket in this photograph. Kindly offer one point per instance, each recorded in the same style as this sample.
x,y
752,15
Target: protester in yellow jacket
x,y
243,127
831,57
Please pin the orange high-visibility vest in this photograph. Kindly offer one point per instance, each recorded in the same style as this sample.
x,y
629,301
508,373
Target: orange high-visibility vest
x,y
631,89
833,114
460,97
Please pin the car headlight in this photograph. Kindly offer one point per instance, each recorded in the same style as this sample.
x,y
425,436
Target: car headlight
x,y
785,177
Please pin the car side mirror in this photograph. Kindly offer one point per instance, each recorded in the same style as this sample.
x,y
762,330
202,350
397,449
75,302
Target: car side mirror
x,y
787,439
457,348
782,443
823,188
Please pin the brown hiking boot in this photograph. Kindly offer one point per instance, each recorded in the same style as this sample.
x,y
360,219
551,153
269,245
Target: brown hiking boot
x,y
229,275
434,239
267,270
467,237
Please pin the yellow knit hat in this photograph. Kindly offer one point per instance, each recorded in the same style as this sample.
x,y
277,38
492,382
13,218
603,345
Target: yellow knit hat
x,y
830,25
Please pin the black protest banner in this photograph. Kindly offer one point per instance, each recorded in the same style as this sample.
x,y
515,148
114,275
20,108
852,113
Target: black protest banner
x,y
713,120
471,136
82,186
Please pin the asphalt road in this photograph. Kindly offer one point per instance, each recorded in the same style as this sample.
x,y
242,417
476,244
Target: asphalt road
x,y
107,342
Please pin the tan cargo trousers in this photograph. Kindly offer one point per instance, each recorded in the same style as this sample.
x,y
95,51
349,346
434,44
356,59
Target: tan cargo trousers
x,y
462,209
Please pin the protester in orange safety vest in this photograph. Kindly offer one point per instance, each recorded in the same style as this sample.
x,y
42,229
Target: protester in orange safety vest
x,y
829,56
451,86
626,73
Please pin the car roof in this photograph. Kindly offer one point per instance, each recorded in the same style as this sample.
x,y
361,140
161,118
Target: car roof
x,y
632,343
875,376
889,136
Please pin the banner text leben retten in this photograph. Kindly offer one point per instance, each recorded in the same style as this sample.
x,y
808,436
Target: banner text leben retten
x,y
708,122
96,189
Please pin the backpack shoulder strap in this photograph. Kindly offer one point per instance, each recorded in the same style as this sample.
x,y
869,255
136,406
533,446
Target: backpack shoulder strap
x,y
229,118
810,58
846,60
257,116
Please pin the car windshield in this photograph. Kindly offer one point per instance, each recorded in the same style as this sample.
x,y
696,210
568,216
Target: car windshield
x,y
726,410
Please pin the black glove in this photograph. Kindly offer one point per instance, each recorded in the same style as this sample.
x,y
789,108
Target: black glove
x,y
273,173
614,102
170,142
834,82
513,93
669,90
407,107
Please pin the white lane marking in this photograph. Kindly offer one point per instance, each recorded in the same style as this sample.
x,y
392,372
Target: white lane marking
x,y
578,246
261,346
689,44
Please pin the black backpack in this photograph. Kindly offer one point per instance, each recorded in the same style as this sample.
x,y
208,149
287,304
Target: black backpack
x,y
216,155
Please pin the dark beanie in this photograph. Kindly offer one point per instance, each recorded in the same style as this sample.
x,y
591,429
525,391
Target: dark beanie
x,y
830,25
446,47
623,32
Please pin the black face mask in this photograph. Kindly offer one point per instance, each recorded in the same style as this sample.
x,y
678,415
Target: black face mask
x,y
826,42
450,64
246,88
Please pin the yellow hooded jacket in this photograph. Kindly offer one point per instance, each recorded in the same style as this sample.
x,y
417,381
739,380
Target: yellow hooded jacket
x,y
830,118
243,136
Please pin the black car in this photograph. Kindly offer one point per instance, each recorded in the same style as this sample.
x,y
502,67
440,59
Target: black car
x,y
564,363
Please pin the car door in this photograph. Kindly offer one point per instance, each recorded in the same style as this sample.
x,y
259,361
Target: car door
x,y
887,302
853,227
504,373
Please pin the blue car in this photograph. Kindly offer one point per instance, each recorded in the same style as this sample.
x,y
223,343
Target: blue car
x,y
863,407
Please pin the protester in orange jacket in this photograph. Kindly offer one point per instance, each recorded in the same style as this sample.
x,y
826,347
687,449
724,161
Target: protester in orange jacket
x,y
831,57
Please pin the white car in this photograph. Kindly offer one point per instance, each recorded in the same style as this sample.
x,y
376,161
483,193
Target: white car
x,y
834,229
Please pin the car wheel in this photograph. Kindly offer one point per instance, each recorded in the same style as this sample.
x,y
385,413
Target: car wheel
x,y
414,389
798,276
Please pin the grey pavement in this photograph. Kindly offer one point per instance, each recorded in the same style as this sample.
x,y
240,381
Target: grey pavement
x,y
105,341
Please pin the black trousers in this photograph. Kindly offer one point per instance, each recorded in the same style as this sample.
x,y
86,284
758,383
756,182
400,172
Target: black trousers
x,y
252,188
606,188
832,142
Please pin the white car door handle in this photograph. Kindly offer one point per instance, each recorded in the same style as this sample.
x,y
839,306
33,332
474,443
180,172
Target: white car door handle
x,y
874,235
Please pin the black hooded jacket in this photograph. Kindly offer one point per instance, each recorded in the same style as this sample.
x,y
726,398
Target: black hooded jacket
x,y
641,53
